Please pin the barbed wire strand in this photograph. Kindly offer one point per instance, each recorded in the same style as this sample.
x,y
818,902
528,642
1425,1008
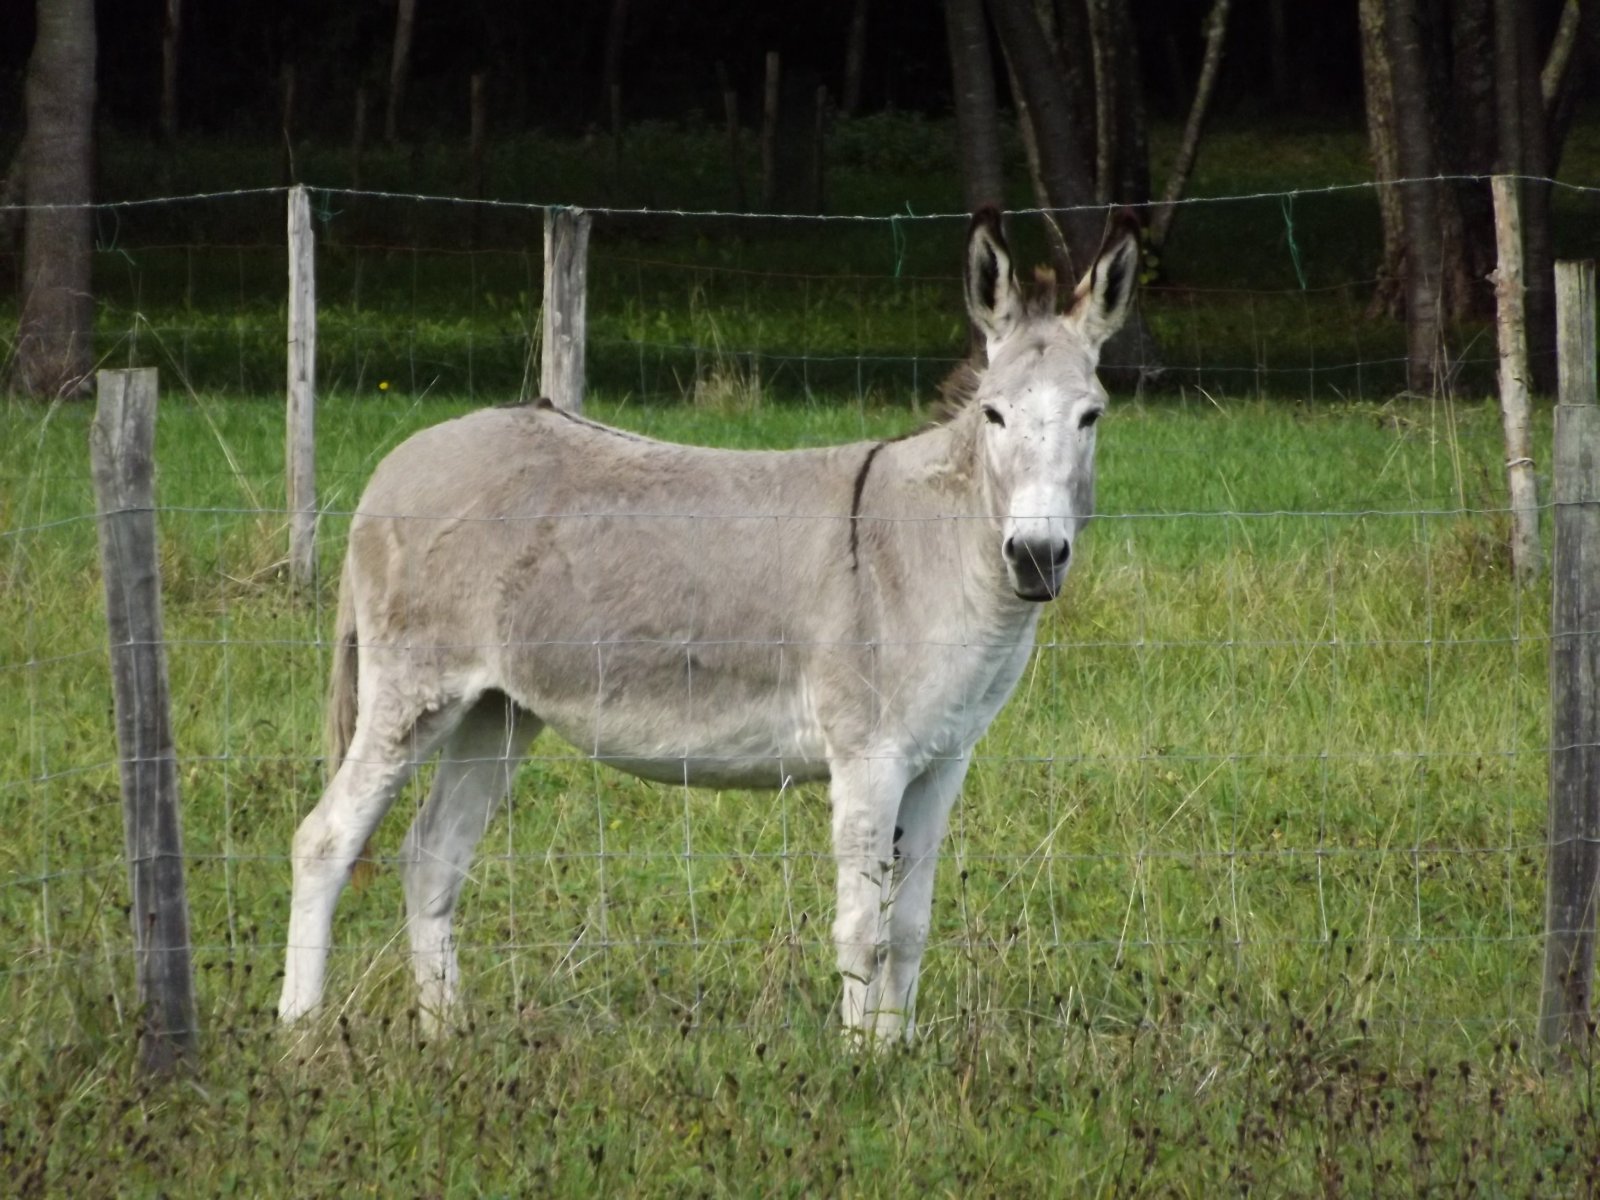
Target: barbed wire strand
x,y
896,218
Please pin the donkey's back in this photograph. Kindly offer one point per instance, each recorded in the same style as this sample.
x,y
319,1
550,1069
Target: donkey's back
x,y
662,607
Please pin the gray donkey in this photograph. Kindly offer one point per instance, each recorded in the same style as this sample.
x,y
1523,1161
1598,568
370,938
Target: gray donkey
x,y
856,614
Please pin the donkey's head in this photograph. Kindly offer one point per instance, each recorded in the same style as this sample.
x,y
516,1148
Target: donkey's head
x,y
1039,397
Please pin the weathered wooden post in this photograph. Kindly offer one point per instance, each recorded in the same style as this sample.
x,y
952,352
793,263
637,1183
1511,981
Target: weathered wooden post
x,y
300,446
1512,329
566,320
1574,815
120,444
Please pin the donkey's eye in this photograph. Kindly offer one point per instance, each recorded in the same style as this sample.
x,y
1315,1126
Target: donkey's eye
x,y
1089,418
992,415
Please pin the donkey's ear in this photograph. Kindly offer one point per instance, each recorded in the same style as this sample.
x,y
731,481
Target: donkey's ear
x,y
994,301
1104,296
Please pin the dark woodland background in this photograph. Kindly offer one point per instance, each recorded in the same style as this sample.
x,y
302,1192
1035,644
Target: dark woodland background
x,y
546,61
1067,106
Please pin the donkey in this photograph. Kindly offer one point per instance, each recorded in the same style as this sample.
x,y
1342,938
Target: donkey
x,y
856,614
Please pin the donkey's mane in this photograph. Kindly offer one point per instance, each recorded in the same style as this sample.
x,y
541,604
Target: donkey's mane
x,y
958,389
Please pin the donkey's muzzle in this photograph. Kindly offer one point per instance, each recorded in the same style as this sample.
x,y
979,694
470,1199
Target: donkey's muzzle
x,y
1036,565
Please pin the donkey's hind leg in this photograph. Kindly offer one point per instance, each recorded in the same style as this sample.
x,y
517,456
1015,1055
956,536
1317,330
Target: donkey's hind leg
x,y
388,742
475,771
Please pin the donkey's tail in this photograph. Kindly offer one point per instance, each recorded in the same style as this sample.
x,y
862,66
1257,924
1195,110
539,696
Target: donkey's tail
x,y
340,721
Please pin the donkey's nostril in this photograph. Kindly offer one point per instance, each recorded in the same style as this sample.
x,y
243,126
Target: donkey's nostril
x,y
1037,554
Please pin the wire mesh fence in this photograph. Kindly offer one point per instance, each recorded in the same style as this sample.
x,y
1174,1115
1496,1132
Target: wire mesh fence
x,y
1253,750
1269,294
1285,733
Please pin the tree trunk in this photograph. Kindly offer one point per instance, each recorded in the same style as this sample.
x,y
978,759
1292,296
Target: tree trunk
x,y
1278,58
1577,37
1472,82
855,58
405,23
977,125
1102,54
1065,175
1131,158
12,193
1512,157
1461,294
54,350
171,39
1378,84
288,87
1074,51
611,66
1216,28
477,150
819,152
358,137
1524,152
1121,145
1471,148
730,111
1417,155
1060,252
1132,355
1554,72
771,96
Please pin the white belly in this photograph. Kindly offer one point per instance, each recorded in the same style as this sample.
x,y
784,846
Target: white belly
x,y
722,771
707,728
767,742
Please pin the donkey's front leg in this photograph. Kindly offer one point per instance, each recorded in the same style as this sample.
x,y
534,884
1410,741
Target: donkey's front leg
x,y
921,824
866,795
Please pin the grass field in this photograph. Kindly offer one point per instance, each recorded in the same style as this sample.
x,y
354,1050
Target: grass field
x,y
1244,895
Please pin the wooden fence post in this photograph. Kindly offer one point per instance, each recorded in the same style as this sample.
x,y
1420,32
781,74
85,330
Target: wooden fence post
x,y
120,444
1511,326
566,320
1573,869
300,453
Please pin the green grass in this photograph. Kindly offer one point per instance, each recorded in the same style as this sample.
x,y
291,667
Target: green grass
x,y
1244,894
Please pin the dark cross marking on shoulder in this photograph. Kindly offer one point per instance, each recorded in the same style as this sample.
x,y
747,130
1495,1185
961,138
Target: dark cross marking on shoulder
x,y
855,505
